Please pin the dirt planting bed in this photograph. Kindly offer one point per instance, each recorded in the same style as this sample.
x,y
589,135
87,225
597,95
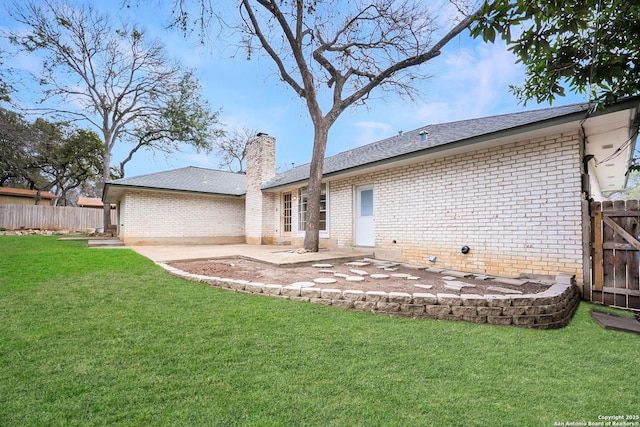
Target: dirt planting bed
x,y
365,275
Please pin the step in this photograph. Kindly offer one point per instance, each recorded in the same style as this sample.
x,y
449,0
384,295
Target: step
x,y
105,243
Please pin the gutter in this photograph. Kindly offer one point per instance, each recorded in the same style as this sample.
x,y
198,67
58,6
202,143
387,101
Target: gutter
x,y
635,124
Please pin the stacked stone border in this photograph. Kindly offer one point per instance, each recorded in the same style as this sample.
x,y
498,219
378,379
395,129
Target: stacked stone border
x,y
550,309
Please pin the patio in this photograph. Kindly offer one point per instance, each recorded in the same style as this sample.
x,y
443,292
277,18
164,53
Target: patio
x,y
273,254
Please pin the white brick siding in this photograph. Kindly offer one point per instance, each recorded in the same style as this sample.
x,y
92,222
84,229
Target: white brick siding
x,y
517,206
260,222
152,217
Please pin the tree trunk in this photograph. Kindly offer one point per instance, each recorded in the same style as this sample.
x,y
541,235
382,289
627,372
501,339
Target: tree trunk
x,y
105,178
314,192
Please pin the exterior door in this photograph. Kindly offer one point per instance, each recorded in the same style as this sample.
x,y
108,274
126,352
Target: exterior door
x,y
365,226
287,211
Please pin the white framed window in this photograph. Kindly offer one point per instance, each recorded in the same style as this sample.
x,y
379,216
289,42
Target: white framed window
x,y
302,210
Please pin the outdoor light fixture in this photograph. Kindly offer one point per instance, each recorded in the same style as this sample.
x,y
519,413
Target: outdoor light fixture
x,y
465,249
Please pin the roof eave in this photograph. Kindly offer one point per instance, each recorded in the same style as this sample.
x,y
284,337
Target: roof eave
x,y
122,187
463,143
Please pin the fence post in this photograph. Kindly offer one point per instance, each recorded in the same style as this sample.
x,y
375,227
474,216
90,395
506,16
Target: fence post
x,y
598,271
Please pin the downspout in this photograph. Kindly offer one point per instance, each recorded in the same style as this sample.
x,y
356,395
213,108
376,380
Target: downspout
x,y
594,192
594,185
634,130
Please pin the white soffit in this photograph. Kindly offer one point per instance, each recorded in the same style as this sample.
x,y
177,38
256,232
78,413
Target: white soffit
x,y
610,138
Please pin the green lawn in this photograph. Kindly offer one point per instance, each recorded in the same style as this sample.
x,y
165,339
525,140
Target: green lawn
x,y
104,336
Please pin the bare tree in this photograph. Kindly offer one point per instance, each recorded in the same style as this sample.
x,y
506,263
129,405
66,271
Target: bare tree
x,y
5,87
115,79
335,53
232,148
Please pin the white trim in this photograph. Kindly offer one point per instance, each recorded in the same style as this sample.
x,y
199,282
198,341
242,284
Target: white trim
x,y
292,223
357,225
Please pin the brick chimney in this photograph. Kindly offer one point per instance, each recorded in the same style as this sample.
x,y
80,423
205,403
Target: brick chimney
x,y
260,207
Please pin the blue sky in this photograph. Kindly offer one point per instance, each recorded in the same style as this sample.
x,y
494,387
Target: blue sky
x,y
470,79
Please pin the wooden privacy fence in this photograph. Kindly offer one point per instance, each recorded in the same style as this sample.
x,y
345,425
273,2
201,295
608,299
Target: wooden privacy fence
x,y
615,253
15,217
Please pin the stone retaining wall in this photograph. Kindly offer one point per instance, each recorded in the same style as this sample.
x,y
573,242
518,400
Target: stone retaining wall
x,y
550,309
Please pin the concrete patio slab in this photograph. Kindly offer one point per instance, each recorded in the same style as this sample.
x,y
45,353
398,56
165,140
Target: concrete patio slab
x,y
273,254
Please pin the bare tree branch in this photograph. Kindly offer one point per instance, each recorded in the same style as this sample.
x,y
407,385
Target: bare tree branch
x,y
115,78
232,148
336,53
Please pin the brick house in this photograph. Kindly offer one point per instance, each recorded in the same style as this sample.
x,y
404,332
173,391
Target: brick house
x,y
512,189
188,205
21,196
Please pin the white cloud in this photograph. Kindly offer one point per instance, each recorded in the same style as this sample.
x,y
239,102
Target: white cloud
x,y
200,159
436,112
486,71
468,81
472,83
367,132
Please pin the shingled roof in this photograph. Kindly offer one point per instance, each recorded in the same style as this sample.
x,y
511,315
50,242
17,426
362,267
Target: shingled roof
x,y
21,192
437,136
189,179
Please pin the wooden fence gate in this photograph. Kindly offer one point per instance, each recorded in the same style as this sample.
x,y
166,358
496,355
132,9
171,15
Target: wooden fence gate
x,y
615,254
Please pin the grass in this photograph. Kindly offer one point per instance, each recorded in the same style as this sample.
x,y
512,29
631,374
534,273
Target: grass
x,y
104,336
